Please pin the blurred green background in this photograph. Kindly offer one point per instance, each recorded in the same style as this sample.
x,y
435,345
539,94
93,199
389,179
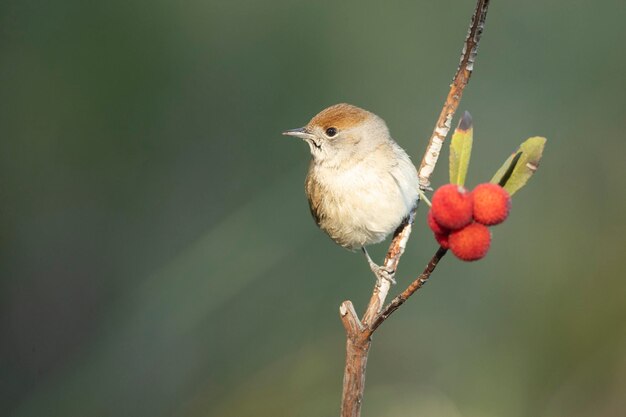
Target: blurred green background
x,y
158,257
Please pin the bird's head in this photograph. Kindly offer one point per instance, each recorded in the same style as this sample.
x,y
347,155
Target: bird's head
x,y
341,132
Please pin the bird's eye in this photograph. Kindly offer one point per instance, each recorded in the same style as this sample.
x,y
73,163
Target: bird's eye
x,y
331,131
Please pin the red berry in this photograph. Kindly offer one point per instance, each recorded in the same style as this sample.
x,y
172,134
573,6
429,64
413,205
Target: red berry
x,y
452,206
434,226
470,243
491,204
443,240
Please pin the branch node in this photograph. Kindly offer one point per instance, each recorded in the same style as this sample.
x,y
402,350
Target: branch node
x,y
350,319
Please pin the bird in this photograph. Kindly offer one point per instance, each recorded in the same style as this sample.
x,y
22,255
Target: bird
x,y
360,184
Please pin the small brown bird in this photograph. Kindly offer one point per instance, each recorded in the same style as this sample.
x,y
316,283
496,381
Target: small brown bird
x,y
361,184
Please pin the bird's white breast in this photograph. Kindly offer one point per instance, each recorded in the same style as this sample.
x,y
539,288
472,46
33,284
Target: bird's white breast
x,y
363,203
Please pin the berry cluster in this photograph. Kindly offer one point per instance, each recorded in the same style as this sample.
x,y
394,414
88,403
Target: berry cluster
x,y
459,218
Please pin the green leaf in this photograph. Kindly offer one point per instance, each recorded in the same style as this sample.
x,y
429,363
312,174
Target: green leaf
x,y
514,159
521,165
461,150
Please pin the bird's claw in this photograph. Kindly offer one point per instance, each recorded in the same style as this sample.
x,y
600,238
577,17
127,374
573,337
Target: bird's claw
x,y
384,273
381,272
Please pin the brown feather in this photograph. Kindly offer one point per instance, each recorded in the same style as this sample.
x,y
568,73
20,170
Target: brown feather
x,y
340,116
314,193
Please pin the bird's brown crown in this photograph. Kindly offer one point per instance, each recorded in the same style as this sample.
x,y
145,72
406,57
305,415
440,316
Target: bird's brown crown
x,y
340,116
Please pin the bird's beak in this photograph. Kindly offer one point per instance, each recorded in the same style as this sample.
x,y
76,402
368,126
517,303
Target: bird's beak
x,y
301,133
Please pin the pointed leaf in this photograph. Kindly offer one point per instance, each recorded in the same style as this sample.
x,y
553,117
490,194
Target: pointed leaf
x,y
461,149
499,175
509,170
528,157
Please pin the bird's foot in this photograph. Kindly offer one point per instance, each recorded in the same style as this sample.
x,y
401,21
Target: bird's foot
x,y
380,271
383,273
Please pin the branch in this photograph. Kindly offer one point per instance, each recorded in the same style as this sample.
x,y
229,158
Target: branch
x,y
359,332
460,80
357,349
350,319
395,251
409,291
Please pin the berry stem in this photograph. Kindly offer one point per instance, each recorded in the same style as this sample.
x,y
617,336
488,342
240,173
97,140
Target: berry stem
x,y
423,197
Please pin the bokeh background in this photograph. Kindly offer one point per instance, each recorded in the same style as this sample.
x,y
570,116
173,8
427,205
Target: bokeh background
x,y
157,255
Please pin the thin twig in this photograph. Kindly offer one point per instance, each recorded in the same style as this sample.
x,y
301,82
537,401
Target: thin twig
x,y
409,291
395,251
460,80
